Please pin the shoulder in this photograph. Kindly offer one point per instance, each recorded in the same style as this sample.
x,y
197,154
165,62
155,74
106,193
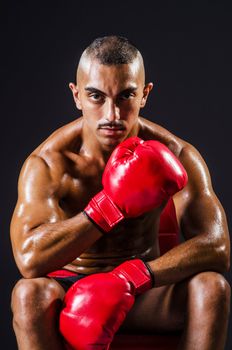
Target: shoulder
x,y
35,176
50,155
33,164
196,204
46,168
196,167
189,156
150,130
63,138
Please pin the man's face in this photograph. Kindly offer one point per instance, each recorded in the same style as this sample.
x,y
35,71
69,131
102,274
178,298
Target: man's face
x,y
110,98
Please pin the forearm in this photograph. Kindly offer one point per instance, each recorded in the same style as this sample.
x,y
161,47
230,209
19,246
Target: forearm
x,y
193,256
53,245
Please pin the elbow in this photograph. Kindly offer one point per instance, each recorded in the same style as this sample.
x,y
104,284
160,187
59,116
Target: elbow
x,y
224,264
227,263
29,273
27,266
27,259
223,257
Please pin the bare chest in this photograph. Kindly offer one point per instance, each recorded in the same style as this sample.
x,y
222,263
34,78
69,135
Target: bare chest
x,y
77,191
131,238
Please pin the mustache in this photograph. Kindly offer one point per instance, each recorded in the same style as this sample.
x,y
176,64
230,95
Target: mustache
x,y
114,124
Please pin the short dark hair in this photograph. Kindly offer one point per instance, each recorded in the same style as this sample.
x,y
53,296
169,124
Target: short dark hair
x,y
112,50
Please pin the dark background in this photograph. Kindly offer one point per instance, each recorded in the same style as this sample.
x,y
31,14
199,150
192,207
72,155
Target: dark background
x,y
187,51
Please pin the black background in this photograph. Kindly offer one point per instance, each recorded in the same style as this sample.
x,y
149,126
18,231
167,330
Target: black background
x,y
187,51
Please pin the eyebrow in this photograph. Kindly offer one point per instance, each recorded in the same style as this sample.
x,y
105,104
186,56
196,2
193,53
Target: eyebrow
x,y
93,89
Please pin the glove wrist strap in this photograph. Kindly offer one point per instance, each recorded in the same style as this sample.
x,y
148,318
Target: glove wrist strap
x,y
136,272
103,212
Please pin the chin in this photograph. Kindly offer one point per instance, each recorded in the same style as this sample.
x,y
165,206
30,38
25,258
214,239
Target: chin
x,y
111,143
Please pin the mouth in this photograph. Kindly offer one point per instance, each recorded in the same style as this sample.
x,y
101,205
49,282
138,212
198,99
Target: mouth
x,y
112,130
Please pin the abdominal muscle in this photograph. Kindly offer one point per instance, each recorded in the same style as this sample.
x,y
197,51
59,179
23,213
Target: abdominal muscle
x,y
133,238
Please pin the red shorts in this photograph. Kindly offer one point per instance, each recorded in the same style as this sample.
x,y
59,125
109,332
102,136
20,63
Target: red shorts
x,y
66,278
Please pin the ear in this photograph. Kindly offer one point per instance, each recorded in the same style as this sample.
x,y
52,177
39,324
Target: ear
x,y
75,93
147,88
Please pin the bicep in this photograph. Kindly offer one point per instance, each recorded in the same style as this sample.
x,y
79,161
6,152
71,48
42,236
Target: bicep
x,y
200,211
204,215
37,200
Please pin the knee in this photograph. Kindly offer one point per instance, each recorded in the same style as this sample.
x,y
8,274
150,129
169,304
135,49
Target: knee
x,y
210,290
31,299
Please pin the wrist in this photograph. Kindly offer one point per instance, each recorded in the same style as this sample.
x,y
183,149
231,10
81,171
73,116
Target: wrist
x,y
152,275
138,273
103,212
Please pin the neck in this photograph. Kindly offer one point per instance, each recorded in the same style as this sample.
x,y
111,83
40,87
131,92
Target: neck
x,y
94,148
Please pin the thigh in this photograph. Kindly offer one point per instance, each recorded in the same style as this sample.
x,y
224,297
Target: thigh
x,y
159,309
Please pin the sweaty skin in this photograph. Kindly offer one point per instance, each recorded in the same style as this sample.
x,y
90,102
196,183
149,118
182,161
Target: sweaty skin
x,y
49,230
59,179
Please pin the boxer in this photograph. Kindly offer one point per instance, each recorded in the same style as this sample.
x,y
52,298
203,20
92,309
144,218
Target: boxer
x,y
85,228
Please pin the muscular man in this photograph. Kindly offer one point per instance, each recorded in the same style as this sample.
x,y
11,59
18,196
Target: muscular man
x,y
50,230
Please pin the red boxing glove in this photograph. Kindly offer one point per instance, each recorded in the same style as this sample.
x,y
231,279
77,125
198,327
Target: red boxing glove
x,y
138,177
96,306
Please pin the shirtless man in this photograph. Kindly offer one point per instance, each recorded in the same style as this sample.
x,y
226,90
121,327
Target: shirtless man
x,y
49,229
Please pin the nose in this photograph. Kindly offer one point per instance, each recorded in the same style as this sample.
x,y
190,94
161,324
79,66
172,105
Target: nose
x,y
112,111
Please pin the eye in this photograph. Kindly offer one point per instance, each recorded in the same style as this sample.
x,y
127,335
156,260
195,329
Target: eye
x,y
96,97
126,95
